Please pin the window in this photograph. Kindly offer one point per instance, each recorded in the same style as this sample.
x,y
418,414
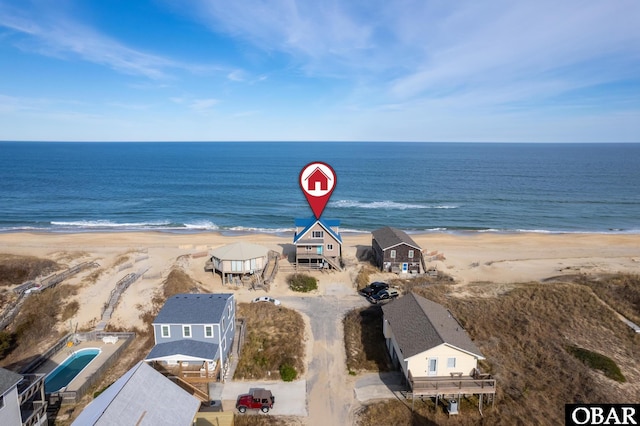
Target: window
x,y
224,345
451,363
222,324
165,331
229,311
236,265
317,234
410,254
1,401
392,254
208,331
308,248
186,331
329,246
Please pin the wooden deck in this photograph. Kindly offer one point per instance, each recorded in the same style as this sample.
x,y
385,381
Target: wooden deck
x,y
194,372
465,385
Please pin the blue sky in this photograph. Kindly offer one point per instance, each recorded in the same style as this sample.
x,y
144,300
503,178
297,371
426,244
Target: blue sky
x,y
543,71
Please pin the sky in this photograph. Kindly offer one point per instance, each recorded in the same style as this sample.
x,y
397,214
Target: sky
x,y
351,70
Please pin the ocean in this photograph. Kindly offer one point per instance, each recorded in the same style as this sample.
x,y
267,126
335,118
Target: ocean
x,y
244,187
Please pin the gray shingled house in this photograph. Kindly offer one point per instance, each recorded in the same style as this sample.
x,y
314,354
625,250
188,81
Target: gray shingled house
x,y
395,251
22,399
425,340
193,335
141,396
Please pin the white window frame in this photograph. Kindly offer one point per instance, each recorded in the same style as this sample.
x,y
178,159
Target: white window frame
x,y
209,328
222,324
392,254
329,246
451,362
317,234
187,327
410,255
164,327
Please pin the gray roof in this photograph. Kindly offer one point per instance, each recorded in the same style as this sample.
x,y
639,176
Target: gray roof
x,y
142,396
240,251
201,308
419,324
192,348
388,237
8,379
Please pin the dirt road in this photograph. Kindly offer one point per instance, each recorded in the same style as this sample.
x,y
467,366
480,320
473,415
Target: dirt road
x,y
330,394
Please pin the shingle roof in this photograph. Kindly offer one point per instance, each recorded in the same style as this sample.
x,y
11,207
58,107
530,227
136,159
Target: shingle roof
x,y
309,223
188,347
142,396
419,324
8,379
388,237
240,251
193,309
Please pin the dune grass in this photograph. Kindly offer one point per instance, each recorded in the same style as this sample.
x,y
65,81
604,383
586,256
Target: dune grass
x,y
274,342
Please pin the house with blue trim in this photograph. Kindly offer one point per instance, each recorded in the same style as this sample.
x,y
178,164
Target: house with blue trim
x,y
318,243
194,334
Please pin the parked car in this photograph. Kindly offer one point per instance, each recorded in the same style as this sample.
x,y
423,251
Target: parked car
x,y
374,288
266,299
256,399
388,294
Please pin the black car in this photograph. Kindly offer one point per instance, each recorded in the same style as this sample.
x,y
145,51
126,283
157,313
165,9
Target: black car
x,y
383,295
374,288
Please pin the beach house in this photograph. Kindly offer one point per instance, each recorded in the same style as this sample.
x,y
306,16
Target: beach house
x,y
193,335
22,399
318,243
240,260
432,349
395,251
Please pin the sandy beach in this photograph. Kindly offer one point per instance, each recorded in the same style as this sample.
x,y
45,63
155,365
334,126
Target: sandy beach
x,y
477,257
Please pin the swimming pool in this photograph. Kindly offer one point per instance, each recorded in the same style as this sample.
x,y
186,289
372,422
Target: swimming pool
x,y
69,369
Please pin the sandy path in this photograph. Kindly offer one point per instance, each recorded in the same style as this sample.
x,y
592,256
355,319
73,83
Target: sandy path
x,y
329,388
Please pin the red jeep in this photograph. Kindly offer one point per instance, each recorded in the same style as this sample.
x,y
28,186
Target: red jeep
x,y
258,399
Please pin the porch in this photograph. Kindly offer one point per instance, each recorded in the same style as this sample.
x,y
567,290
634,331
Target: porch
x,y
189,371
456,384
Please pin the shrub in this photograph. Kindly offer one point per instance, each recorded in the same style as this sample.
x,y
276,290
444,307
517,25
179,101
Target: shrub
x,y
7,343
302,283
287,372
598,362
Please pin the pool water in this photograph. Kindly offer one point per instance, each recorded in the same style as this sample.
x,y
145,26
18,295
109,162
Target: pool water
x,y
69,369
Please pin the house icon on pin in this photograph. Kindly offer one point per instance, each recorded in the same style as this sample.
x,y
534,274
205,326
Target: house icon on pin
x,y
318,178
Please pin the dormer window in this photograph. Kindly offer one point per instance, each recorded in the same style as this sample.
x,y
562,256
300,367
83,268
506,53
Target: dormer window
x,y
165,331
186,331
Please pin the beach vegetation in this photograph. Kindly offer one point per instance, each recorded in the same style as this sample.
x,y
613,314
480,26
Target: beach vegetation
x,y
363,278
620,291
273,343
69,310
16,269
364,342
288,373
302,283
7,343
598,362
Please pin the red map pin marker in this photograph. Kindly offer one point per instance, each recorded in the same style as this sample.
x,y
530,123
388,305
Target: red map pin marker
x,y
317,181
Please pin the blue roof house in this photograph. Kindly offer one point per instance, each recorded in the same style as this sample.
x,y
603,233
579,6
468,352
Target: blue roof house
x,y
318,243
194,334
